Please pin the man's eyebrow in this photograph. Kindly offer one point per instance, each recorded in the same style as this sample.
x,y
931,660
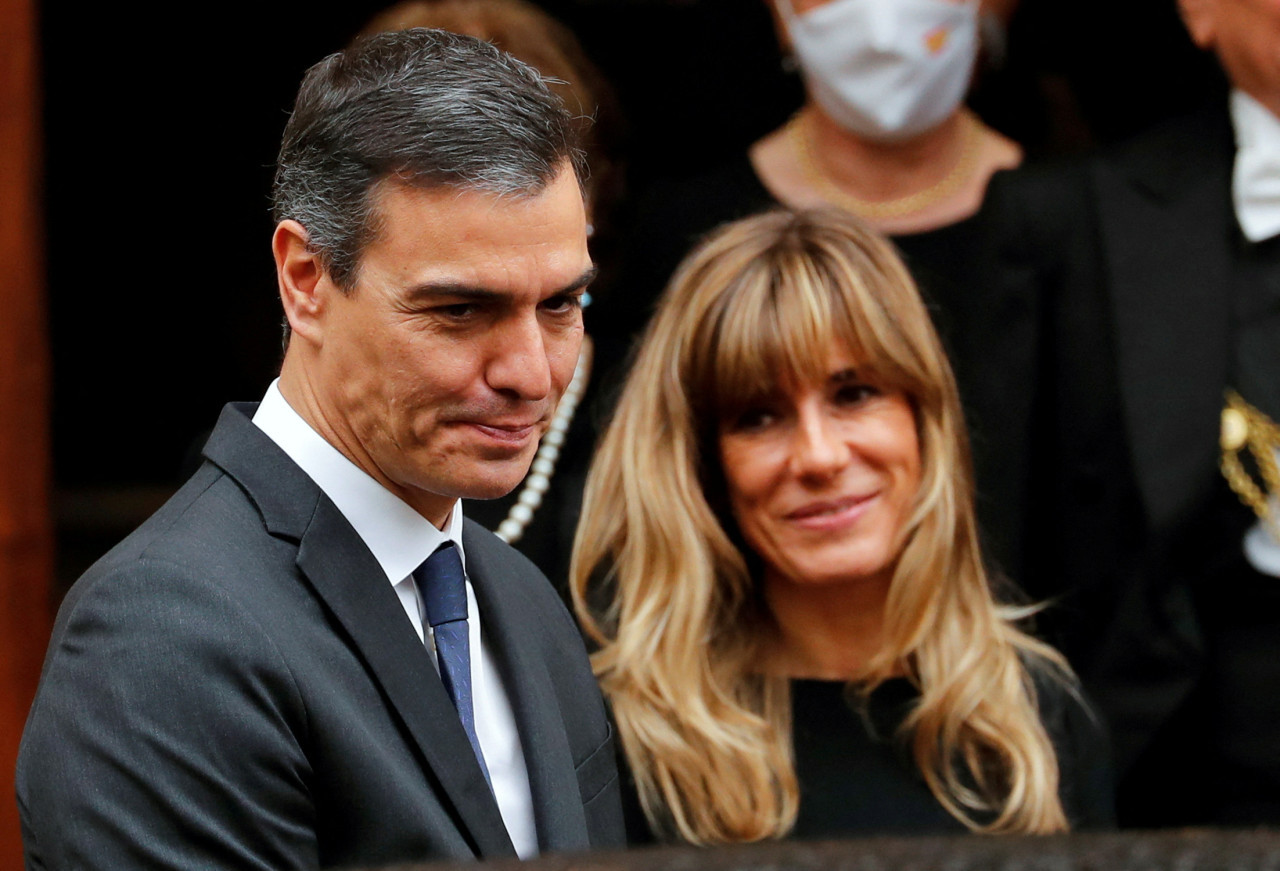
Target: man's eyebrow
x,y
588,276
472,293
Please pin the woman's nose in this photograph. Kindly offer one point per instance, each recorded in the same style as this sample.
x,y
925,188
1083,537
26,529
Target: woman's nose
x,y
819,449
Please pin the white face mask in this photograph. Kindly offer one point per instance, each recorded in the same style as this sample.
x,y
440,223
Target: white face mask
x,y
886,69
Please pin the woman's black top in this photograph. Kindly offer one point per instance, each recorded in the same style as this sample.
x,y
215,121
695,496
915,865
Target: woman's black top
x,y
857,779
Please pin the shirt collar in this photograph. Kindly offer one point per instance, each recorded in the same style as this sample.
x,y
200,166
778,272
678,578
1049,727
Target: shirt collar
x,y
399,537
1255,180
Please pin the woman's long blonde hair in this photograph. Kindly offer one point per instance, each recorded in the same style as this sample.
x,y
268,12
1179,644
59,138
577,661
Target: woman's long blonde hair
x,y
662,582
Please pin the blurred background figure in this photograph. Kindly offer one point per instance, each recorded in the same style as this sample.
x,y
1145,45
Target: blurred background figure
x,y
779,559
1155,271
884,134
539,517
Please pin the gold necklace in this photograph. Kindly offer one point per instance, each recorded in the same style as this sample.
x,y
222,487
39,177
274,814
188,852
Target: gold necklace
x,y
818,177
1245,426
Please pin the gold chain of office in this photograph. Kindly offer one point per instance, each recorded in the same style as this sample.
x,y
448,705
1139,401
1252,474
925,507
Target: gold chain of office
x,y
817,176
1244,426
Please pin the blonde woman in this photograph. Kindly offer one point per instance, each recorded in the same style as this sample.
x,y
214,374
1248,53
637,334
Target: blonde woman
x,y
779,562
882,133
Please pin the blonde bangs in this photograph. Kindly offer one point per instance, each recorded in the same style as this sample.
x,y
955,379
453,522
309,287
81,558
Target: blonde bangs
x,y
779,317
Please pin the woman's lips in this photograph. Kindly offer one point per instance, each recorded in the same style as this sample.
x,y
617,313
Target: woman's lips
x,y
831,513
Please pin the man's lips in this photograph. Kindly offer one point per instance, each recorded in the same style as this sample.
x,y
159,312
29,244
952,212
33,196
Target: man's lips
x,y
514,432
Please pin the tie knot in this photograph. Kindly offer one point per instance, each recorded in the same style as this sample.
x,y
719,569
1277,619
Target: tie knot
x,y
443,585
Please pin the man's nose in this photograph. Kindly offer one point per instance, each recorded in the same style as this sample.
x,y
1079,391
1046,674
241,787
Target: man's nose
x,y
520,366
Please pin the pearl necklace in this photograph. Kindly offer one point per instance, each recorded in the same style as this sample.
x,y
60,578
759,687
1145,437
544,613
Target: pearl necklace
x,y
901,207
536,484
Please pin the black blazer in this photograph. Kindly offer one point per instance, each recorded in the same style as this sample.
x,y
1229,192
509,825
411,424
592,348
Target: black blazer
x,y
1126,261
237,686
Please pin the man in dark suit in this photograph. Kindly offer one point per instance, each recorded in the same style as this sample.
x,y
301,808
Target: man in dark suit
x,y
307,658
1156,267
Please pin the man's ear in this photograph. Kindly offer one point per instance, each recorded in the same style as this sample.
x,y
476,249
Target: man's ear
x,y
301,278
1200,18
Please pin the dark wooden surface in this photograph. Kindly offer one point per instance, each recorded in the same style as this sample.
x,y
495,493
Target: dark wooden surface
x,y
1184,850
25,546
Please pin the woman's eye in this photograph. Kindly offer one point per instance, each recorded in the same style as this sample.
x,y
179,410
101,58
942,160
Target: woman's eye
x,y
753,419
852,394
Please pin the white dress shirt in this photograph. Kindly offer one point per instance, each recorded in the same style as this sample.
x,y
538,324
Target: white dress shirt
x,y
1260,544
400,539
1255,178
1255,194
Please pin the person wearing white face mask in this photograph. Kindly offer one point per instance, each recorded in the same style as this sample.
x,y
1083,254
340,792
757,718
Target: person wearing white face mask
x,y
883,132
886,72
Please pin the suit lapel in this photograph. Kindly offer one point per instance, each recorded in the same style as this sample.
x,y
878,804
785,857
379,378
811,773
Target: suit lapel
x,y
1166,228
499,579
345,575
353,586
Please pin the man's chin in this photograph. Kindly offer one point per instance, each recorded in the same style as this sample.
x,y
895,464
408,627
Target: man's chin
x,y
489,493
496,484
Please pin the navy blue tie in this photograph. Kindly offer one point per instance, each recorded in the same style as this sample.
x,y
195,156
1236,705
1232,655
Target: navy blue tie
x,y
443,585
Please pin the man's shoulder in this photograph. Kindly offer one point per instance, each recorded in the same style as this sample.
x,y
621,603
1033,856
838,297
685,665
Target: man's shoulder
x,y
1161,157
211,516
1204,129
1171,156
207,537
214,533
177,634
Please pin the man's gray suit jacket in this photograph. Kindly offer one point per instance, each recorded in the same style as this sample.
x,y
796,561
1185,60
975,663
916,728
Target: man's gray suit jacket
x,y
237,686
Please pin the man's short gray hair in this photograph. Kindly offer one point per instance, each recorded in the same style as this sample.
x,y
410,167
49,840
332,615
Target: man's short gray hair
x,y
423,107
